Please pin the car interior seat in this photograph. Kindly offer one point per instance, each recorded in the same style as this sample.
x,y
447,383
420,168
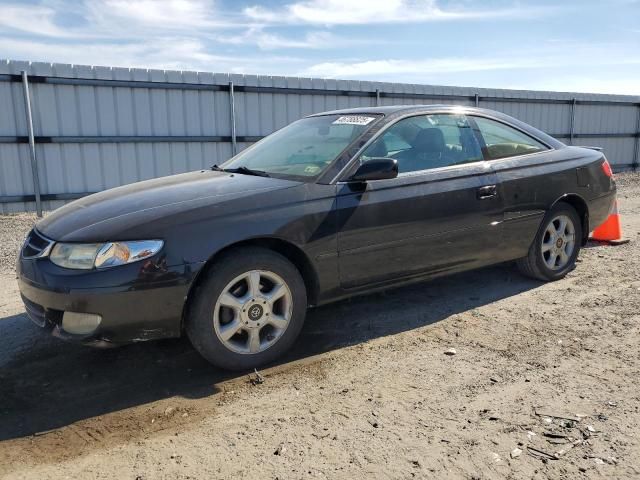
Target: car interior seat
x,y
378,149
428,150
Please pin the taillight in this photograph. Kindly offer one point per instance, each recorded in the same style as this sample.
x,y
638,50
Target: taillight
x,y
606,168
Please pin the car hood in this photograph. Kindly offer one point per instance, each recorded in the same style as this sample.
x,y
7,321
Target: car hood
x,y
114,214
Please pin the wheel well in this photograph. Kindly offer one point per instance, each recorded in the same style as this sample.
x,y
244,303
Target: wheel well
x,y
580,206
291,252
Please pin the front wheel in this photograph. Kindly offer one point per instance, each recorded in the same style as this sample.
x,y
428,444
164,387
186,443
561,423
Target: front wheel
x,y
555,249
248,310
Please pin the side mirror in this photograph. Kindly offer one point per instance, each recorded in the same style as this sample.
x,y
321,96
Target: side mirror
x,y
376,169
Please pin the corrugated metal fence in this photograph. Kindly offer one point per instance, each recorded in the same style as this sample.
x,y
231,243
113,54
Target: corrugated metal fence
x,y
94,128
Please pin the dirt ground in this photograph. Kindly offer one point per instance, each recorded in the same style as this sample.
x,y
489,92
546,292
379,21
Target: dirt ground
x,y
544,384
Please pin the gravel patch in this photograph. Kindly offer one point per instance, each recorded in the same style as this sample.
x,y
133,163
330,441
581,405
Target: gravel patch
x,y
627,179
13,229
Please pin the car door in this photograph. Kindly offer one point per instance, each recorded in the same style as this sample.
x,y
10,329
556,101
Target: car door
x,y
442,213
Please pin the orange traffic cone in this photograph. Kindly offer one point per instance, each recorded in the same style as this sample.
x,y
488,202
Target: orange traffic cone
x,y
611,230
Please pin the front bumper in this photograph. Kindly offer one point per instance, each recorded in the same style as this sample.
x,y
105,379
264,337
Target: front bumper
x,y
143,302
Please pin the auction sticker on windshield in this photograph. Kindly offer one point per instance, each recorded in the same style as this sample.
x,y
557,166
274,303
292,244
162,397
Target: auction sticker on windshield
x,y
354,120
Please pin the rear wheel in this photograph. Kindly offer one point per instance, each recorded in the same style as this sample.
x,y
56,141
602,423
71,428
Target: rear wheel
x,y
248,310
554,251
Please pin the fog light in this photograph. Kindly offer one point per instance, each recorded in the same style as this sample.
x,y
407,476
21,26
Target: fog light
x,y
80,323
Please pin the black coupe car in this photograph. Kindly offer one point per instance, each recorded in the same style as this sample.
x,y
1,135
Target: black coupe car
x,y
333,205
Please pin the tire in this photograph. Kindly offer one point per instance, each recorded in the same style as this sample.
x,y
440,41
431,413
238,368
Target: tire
x,y
537,262
225,302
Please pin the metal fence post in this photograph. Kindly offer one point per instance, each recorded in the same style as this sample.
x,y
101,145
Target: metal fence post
x,y
476,98
232,105
377,97
572,120
636,153
32,143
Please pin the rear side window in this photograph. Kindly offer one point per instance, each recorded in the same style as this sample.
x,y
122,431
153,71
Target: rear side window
x,y
503,141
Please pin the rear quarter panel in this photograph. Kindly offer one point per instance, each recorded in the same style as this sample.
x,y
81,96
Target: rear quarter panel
x,y
530,185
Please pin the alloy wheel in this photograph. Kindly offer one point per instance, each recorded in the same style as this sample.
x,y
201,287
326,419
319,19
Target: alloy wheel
x,y
253,312
558,242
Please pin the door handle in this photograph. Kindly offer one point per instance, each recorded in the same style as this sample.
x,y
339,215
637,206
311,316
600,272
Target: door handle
x,y
490,191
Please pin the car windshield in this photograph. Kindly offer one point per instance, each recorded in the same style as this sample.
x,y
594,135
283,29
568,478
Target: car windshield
x,y
303,149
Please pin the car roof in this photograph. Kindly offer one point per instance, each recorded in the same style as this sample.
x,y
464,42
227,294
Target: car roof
x,y
389,109
392,112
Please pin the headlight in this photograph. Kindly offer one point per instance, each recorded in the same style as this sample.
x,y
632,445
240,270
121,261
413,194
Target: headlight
x,y
119,253
85,256
75,255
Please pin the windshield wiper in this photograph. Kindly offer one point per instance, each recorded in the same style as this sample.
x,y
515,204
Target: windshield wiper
x,y
242,170
246,171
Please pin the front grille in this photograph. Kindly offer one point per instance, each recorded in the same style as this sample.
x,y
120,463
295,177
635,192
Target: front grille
x,y
36,245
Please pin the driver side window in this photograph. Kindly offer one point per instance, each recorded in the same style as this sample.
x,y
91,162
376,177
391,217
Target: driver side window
x,y
427,141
